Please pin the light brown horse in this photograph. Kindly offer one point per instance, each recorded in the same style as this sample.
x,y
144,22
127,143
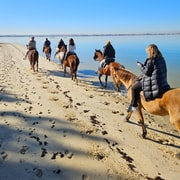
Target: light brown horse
x,y
47,51
107,70
168,104
33,57
72,61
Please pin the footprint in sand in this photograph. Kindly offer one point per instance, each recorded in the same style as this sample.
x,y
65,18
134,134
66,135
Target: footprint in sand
x,y
66,153
54,98
4,155
44,152
38,172
58,171
85,177
86,111
53,123
24,149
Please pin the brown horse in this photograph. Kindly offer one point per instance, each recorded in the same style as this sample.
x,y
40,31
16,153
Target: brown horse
x,y
47,51
33,57
72,61
107,70
168,104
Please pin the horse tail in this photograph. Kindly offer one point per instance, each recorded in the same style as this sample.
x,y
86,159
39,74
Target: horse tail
x,y
76,63
36,56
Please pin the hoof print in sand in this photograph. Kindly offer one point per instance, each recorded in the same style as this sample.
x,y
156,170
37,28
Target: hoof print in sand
x,y
24,149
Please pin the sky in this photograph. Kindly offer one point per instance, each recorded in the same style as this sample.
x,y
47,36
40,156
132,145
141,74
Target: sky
x,y
39,17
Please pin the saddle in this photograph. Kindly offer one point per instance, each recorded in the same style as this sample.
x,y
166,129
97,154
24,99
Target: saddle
x,y
106,62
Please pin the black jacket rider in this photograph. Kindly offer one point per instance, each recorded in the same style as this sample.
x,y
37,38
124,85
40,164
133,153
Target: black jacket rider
x,y
109,53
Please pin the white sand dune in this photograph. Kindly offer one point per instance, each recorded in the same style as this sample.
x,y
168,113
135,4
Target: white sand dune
x,y
51,128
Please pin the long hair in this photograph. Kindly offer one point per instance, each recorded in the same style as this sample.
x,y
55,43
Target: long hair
x,y
71,42
153,51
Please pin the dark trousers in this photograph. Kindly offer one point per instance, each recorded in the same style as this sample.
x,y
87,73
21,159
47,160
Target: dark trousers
x,y
136,89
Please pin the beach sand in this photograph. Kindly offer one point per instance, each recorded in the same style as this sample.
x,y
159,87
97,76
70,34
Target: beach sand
x,y
52,128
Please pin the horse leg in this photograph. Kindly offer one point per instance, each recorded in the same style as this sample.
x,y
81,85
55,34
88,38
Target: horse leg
x,y
106,78
37,65
175,119
72,76
128,116
61,62
33,68
49,56
141,121
33,62
64,71
116,82
75,77
100,75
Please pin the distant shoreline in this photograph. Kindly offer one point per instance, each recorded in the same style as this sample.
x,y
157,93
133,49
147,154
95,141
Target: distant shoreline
x,y
85,35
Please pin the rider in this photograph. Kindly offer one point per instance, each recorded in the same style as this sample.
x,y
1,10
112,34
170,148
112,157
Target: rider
x,y
47,43
108,55
154,81
60,45
30,46
70,48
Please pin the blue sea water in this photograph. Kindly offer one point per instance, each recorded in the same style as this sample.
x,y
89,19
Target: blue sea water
x,y
128,48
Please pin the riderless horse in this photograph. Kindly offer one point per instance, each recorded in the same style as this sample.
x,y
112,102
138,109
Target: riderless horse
x,y
107,70
168,104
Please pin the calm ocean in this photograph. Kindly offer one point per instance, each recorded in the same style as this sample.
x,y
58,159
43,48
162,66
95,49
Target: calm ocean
x,y
129,49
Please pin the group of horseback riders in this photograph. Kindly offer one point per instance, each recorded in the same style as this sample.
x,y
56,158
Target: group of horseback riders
x,y
154,80
69,49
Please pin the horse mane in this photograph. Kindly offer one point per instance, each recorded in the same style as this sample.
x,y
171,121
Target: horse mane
x,y
125,74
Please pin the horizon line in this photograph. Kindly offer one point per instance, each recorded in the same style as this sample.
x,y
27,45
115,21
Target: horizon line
x,y
113,34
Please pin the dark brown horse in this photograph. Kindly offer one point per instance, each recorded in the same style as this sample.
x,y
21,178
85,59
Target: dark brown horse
x,y
107,70
72,61
33,57
168,104
47,51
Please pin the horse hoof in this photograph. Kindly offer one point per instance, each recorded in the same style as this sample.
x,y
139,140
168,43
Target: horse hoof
x,y
144,135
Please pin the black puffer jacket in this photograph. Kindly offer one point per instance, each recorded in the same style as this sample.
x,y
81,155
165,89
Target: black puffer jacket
x,y
154,82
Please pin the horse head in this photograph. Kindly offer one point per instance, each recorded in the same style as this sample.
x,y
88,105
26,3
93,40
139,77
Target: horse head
x,y
98,55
